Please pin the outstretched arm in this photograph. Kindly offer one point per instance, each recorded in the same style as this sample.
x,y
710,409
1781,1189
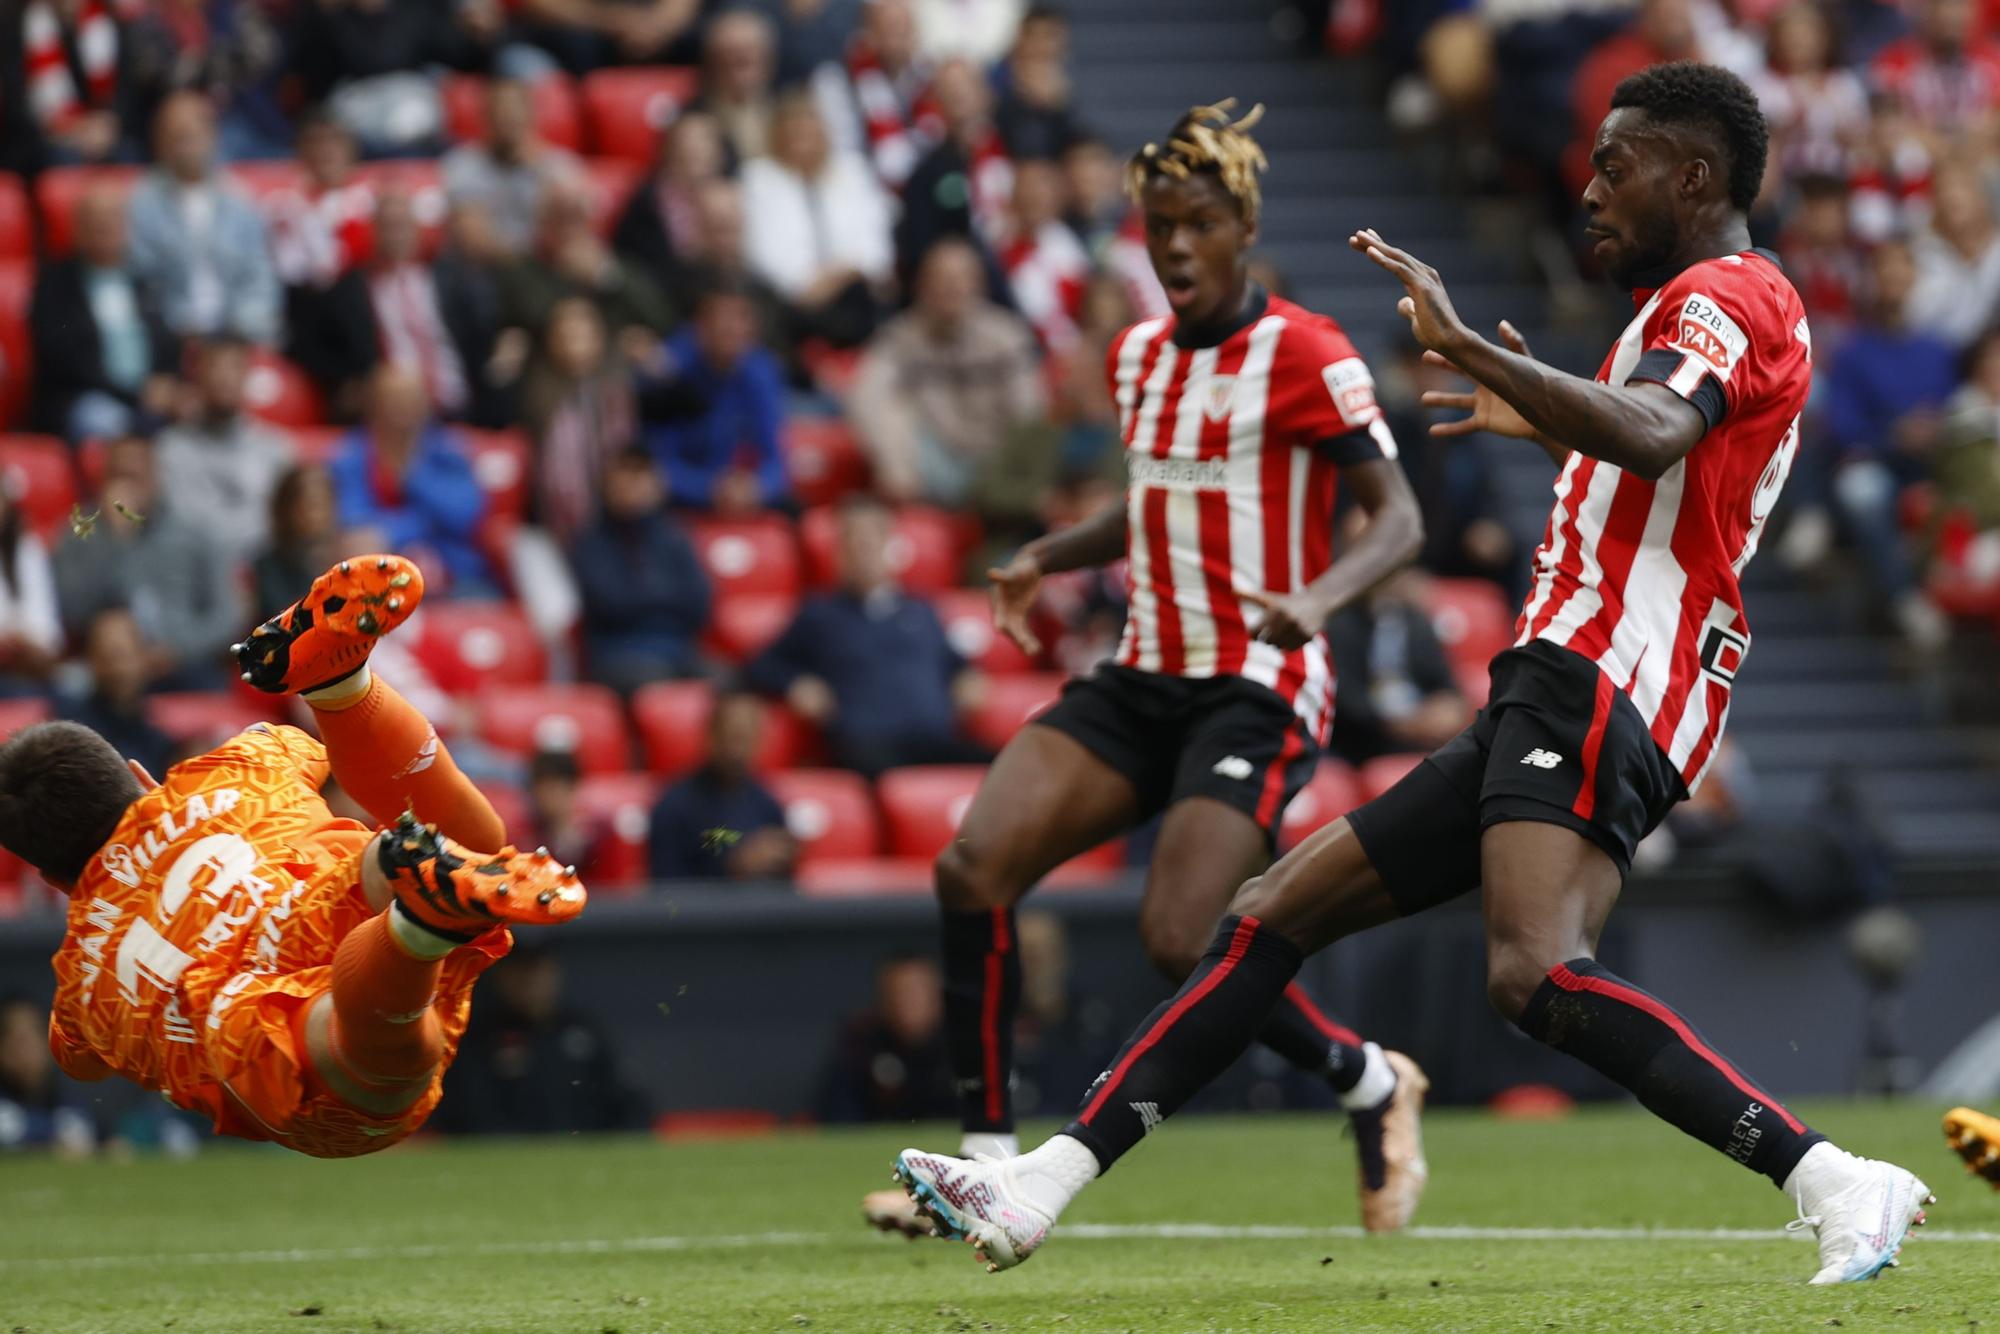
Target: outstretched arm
x,y
1643,428
1393,534
1098,540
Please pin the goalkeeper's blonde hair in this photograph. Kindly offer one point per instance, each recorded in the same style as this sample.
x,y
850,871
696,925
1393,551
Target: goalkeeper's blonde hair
x,y
1206,140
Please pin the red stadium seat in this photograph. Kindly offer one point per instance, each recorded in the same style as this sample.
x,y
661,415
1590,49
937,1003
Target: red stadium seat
x,y
1472,618
201,716
612,181
553,98
922,805
753,555
671,718
741,625
583,718
467,646
265,179
967,614
500,463
1474,682
829,811
1010,702
923,549
57,191
17,219
1333,791
16,714
623,805
823,459
37,473
1384,772
626,109
17,347
864,877
278,391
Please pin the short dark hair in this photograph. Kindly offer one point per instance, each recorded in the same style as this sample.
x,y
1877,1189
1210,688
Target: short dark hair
x,y
63,789
554,763
1709,100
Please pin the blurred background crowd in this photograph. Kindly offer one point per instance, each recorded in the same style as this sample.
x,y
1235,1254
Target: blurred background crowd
x,y
706,354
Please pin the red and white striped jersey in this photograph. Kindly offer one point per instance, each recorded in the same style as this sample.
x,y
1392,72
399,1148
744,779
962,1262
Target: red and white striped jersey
x,y
1232,453
1642,577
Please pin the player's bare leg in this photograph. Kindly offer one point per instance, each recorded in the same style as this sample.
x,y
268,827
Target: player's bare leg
x,y
1045,800
1548,891
1207,851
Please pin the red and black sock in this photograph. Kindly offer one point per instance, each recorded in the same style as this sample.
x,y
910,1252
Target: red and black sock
x,y
982,994
1586,1011
1305,1035
1190,1039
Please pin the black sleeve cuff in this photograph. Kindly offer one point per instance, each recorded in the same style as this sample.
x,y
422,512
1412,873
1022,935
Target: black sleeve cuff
x,y
1353,447
1658,366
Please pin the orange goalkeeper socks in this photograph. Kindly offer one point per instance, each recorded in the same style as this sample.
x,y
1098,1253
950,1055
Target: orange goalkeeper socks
x,y
387,756
385,1033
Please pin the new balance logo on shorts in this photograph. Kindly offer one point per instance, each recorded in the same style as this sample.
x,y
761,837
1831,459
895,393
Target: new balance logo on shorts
x,y
1542,759
1233,766
1148,1114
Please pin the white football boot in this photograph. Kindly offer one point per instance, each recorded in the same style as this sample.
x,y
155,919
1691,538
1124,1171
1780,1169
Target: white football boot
x,y
1859,1208
981,1202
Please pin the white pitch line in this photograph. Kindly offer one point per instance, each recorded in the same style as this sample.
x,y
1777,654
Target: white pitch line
x,y
1078,1231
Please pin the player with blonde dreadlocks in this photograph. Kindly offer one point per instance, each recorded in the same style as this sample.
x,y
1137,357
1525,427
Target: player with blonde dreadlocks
x,y
1240,413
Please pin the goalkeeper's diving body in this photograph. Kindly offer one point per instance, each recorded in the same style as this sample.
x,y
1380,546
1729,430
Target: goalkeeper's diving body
x,y
291,975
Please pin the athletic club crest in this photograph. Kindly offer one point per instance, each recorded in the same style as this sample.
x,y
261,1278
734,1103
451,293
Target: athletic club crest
x,y
1217,397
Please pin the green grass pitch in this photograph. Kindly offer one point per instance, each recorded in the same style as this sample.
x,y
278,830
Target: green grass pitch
x,y
1527,1227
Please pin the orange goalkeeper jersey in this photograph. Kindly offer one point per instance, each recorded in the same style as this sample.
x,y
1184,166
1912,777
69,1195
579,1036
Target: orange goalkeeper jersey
x,y
231,871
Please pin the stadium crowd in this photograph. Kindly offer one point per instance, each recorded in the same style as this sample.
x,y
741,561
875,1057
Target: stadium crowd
x,y
1881,197
707,356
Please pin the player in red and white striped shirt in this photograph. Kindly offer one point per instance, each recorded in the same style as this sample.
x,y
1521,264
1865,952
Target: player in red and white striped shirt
x,y
1604,714
1242,414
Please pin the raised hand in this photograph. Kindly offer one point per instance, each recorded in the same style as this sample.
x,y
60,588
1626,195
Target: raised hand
x,y
1428,306
1486,410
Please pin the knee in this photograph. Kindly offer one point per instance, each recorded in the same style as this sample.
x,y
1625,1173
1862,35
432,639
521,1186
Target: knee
x,y
1514,972
1174,946
969,878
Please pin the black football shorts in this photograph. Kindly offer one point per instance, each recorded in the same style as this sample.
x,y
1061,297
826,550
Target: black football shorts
x,y
1556,743
1175,737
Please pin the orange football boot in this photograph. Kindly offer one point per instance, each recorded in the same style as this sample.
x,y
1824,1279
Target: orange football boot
x,y
329,633
458,892
1975,1137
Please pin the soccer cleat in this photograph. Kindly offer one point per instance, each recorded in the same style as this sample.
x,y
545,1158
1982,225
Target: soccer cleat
x,y
455,891
1975,1137
1389,1142
975,1202
894,1211
1861,1224
329,633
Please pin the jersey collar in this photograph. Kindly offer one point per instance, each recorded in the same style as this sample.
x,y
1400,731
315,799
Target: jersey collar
x,y
1255,302
1652,280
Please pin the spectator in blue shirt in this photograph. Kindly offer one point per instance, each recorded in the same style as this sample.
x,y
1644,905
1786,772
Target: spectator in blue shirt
x,y
718,823
1885,390
871,665
645,595
405,479
713,405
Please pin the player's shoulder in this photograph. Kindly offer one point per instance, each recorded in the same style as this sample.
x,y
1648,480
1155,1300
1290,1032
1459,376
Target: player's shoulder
x,y
261,745
1744,298
1140,332
1307,333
